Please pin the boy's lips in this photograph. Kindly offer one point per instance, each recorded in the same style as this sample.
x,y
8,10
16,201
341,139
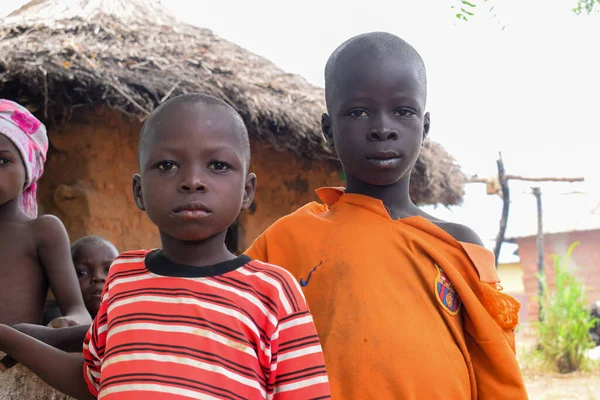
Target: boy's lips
x,y
193,210
384,159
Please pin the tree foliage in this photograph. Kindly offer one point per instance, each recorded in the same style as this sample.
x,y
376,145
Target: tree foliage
x,y
467,9
464,9
587,6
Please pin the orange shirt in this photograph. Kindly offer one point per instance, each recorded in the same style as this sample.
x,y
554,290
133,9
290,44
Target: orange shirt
x,y
403,310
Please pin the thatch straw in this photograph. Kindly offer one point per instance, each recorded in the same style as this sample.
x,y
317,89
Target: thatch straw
x,y
55,66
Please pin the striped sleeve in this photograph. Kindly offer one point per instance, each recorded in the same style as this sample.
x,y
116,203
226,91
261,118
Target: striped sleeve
x,y
93,348
297,365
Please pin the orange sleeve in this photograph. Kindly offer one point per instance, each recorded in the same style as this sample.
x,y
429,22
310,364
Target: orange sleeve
x,y
258,249
491,345
497,372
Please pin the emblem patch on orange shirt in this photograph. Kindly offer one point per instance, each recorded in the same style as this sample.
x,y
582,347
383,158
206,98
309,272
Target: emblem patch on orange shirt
x,y
445,293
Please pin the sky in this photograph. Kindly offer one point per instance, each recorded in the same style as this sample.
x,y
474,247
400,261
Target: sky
x,y
525,82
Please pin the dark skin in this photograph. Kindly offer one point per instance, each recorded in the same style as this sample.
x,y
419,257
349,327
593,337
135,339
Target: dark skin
x,y
377,123
194,188
92,261
193,183
35,254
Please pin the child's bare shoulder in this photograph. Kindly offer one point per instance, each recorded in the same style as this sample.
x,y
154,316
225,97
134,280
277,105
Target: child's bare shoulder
x,y
48,221
459,232
47,229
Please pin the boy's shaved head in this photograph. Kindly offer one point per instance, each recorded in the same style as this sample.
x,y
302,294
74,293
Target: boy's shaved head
x,y
90,241
193,99
368,50
376,93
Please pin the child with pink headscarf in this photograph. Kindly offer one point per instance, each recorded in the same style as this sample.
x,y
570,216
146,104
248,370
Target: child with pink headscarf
x,y
34,251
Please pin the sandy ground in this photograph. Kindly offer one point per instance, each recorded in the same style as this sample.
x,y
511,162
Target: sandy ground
x,y
564,387
554,386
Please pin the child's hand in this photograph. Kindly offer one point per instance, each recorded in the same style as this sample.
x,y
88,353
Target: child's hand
x,y
62,322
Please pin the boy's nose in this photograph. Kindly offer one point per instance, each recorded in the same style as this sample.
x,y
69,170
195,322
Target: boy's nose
x,y
382,134
192,184
99,277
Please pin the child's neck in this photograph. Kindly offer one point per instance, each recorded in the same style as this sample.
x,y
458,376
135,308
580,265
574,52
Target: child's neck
x,y
201,253
11,212
395,197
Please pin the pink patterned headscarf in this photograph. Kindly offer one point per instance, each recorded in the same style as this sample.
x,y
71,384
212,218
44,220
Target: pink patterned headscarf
x,y
29,136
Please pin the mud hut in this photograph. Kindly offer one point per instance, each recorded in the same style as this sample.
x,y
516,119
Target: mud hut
x,y
94,70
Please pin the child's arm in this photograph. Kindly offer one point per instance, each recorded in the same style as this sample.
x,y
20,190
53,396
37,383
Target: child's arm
x,y
55,256
67,339
61,370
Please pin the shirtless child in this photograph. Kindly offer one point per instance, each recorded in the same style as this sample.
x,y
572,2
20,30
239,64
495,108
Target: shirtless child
x,y
92,256
34,251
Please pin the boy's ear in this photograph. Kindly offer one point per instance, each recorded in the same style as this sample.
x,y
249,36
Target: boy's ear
x,y
249,191
137,192
326,129
426,125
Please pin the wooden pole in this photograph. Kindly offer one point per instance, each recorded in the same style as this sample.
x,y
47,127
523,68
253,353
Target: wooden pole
x,y
505,194
505,208
476,179
540,247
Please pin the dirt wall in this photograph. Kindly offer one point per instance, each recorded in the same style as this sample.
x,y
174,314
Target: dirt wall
x,y
285,183
87,180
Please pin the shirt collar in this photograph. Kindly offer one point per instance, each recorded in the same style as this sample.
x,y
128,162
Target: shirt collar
x,y
333,195
481,257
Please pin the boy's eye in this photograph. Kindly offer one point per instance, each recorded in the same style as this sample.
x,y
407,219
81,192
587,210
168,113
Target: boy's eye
x,y
219,166
166,166
358,113
82,273
404,112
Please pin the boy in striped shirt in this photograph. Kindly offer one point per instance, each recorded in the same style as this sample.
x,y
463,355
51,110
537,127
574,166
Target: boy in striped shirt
x,y
190,320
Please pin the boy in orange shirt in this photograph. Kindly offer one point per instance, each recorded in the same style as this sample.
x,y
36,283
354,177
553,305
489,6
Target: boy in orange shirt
x,y
406,305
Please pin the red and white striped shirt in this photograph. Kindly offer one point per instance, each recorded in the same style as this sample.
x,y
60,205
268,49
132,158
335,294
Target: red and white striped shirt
x,y
240,329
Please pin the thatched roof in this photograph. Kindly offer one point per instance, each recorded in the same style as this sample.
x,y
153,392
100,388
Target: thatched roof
x,y
107,52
